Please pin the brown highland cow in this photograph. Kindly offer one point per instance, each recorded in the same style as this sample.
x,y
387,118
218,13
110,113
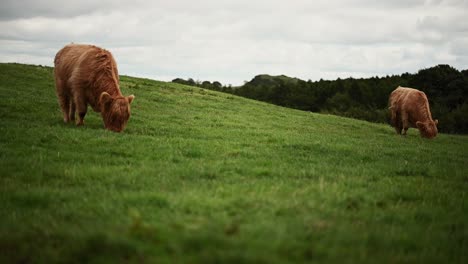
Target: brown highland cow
x,y
409,108
86,74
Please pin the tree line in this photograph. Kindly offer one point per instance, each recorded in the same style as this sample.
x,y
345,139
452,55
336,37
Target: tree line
x,y
364,98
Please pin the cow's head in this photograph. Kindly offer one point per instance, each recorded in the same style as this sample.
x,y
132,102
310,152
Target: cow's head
x,y
115,111
428,129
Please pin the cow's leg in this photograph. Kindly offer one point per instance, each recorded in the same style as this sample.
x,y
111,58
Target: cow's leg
x,y
398,128
404,122
404,130
80,105
63,98
71,114
81,108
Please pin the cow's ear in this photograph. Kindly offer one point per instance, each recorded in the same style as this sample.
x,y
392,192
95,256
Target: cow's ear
x,y
105,98
130,98
436,122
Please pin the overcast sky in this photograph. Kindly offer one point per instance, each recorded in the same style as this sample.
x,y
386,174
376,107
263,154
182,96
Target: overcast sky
x,y
232,41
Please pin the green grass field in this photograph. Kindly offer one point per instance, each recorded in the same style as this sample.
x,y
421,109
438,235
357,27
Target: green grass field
x,y
206,177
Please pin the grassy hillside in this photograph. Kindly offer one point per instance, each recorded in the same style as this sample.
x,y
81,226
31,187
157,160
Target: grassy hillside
x,y
205,177
363,98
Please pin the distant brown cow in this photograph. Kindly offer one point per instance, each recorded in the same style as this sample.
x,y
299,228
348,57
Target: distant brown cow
x,y
409,108
86,74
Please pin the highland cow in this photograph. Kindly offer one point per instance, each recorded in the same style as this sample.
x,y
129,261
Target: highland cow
x,y
86,74
410,108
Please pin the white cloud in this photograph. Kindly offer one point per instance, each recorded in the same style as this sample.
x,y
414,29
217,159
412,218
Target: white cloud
x,y
231,41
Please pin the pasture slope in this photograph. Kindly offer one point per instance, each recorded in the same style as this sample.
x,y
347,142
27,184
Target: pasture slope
x,y
206,177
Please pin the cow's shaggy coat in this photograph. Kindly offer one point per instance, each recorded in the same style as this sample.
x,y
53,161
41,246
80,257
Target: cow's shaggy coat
x,y
86,74
410,108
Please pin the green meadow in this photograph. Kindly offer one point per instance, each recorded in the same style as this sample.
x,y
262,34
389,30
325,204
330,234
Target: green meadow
x,y
205,177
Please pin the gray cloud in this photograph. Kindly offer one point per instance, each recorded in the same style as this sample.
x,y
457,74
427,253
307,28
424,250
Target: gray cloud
x,y
231,41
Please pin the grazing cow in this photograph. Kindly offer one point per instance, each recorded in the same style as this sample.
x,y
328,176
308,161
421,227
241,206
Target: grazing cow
x,y
409,108
86,74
